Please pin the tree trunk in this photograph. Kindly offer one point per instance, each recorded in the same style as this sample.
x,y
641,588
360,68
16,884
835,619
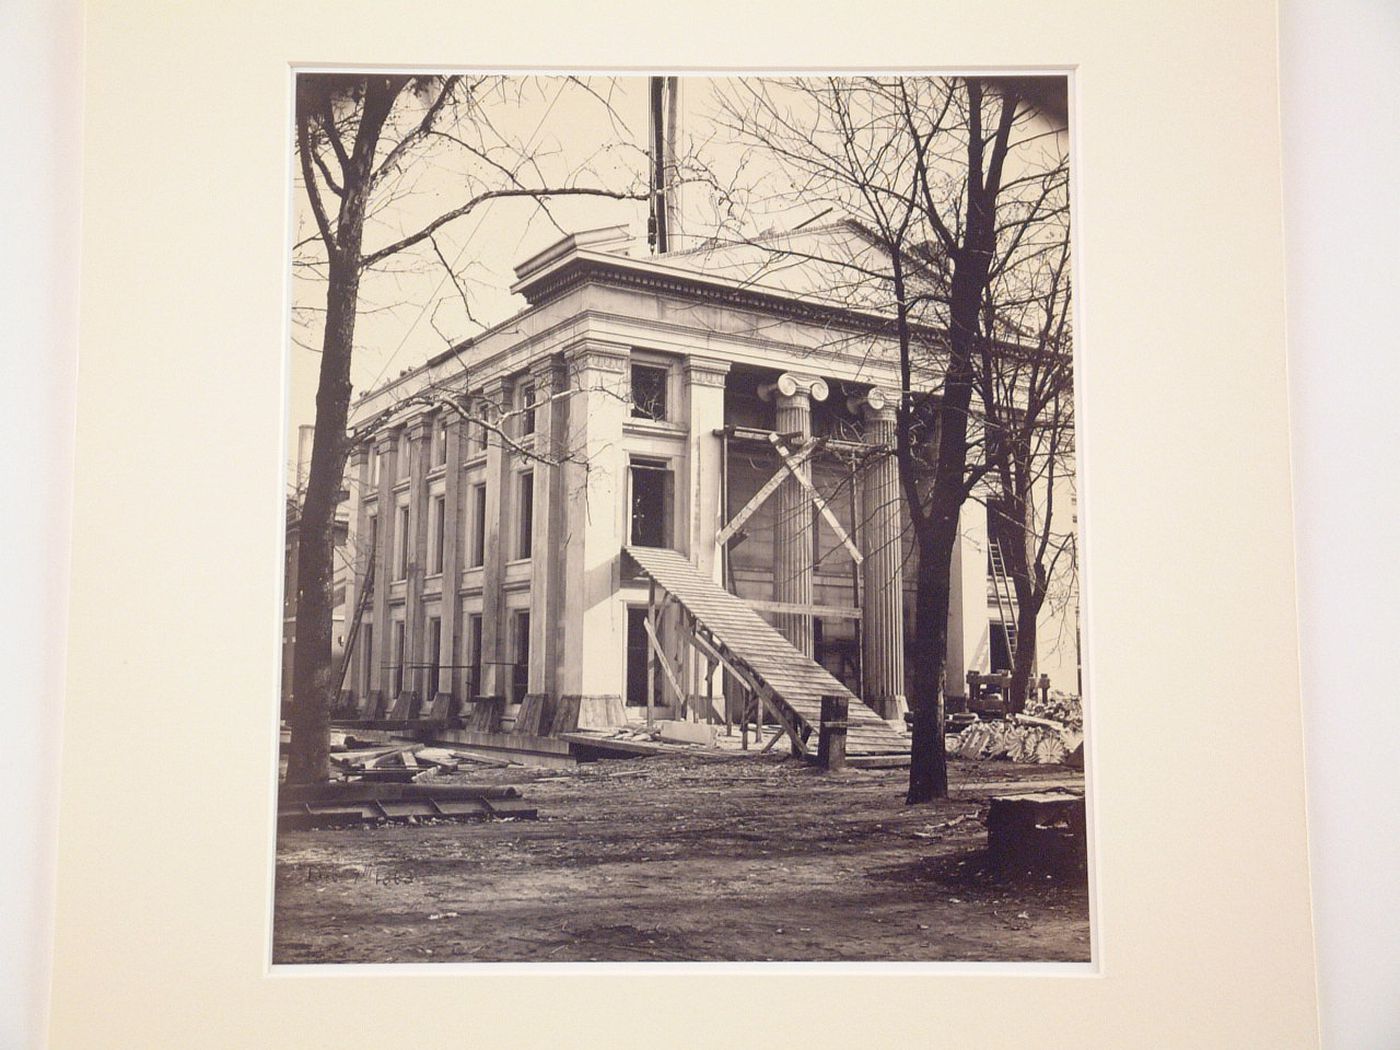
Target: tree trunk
x,y
308,759
928,756
313,684
1024,662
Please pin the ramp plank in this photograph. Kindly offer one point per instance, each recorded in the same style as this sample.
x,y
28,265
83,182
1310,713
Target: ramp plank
x,y
797,682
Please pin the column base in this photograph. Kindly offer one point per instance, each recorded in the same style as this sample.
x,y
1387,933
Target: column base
x,y
577,711
536,714
890,708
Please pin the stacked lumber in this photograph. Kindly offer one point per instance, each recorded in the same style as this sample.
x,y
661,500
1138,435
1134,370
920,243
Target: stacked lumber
x,y
399,764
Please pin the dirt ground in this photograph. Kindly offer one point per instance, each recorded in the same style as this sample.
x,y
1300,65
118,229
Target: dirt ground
x,y
683,858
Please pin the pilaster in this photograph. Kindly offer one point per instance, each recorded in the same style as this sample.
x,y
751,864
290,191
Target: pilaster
x,y
357,478
452,557
594,489
388,445
548,378
415,648
494,673
704,399
969,644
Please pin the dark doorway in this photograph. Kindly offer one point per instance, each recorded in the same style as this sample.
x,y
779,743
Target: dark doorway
x,y
638,650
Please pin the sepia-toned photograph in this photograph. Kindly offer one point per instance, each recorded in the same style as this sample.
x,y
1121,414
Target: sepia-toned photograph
x,y
682,539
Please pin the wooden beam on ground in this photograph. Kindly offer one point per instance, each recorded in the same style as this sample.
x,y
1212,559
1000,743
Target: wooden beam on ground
x,y
803,453
792,463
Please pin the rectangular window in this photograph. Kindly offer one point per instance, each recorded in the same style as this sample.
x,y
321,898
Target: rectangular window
x,y
520,676
367,658
374,459
437,525
653,486
473,683
396,669
649,391
401,542
527,408
440,443
525,542
434,655
478,526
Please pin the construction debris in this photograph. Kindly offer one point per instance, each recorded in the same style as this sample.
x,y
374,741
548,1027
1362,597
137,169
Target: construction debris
x,y
399,764
340,804
1019,738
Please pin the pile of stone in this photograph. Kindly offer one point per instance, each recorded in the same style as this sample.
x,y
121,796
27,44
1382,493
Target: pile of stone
x,y
1019,738
1058,707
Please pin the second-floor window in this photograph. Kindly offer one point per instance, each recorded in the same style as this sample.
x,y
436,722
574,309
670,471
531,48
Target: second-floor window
x,y
440,443
527,408
649,391
526,521
478,525
437,525
653,489
401,542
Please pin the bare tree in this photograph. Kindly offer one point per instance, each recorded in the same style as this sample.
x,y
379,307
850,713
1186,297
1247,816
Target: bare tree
x,y
1027,395
356,137
956,180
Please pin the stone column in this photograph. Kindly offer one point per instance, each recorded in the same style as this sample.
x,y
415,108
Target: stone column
x,y
792,530
495,549
415,625
591,666
548,379
383,568
452,556
882,574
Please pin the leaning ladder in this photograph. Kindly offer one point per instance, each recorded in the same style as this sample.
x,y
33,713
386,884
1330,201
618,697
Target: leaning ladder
x,y
1001,591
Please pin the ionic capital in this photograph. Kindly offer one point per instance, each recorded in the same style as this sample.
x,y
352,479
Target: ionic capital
x,y
795,385
876,404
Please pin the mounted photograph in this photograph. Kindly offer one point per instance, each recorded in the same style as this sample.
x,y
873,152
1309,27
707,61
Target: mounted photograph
x,y
682,538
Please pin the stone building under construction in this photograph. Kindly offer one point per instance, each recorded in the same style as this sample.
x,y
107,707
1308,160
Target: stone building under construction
x,y
595,509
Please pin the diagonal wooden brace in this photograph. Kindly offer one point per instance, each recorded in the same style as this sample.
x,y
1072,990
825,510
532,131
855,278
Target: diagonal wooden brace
x,y
663,661
803,453
791,462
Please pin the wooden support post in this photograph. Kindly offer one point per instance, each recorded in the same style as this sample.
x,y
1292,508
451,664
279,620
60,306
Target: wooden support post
x,y
710,667
831,741
651,658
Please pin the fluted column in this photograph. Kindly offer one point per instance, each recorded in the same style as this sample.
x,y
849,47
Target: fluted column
x,y
882,574
792,396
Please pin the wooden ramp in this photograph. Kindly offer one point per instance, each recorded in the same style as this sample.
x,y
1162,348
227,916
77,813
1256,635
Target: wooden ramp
x,y
791,683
